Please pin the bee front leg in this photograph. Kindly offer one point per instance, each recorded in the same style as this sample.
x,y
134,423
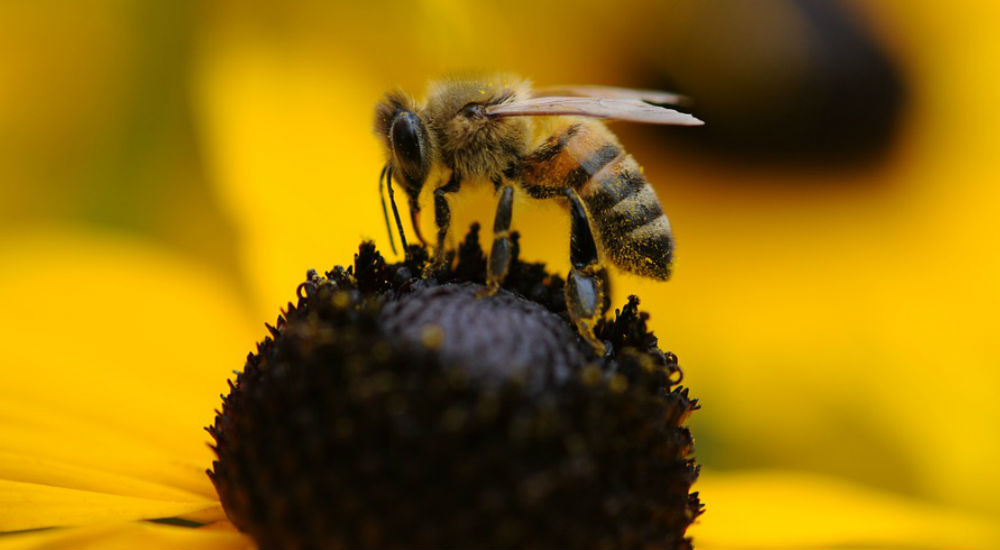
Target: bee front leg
x,y
500,253
588,290
442,217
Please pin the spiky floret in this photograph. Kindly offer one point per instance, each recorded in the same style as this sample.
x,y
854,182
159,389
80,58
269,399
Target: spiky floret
x,y
389,410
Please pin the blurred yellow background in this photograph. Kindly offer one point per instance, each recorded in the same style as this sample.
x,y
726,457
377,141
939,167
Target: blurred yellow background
x,y
837,280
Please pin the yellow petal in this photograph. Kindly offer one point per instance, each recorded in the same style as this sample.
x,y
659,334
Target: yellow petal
x,y
793,510
211,518
99,477
61,440
30,506
116,355
129,536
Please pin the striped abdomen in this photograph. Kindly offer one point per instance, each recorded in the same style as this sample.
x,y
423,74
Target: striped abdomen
x,y
623,208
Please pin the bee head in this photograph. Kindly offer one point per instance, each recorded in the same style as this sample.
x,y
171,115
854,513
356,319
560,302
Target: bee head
x,y
406,140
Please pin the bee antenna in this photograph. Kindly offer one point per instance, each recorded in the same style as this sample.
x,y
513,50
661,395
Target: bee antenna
x,y
395,211
385,212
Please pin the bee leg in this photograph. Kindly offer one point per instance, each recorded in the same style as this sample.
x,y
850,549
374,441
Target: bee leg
x,y
500,253
442,217
588,290
415,221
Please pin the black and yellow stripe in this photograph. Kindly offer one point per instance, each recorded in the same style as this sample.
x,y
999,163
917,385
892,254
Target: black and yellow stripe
x,y
633,230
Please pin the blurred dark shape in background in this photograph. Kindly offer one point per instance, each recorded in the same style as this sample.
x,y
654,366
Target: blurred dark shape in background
x,y
781,83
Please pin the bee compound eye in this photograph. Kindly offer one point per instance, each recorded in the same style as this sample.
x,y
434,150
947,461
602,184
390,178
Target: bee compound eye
x,y
408,145
405,134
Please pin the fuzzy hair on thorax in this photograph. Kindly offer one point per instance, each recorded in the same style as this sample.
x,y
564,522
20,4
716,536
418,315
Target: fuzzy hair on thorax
x,y
476,147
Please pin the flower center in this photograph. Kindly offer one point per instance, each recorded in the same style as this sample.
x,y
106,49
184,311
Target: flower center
x,y
386,409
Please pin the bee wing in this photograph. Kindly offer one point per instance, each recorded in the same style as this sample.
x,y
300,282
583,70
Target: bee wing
x,y
632,110
652,96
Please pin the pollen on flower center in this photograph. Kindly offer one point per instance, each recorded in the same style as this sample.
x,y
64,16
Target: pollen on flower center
x,y
386,409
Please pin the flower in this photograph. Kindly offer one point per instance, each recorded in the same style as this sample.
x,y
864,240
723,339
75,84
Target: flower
x,y
104,431
99,407
562,428
387,409
860,301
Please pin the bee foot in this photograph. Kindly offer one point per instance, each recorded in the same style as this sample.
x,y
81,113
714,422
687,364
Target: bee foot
x,y
488,290
608,350
435,269
601,348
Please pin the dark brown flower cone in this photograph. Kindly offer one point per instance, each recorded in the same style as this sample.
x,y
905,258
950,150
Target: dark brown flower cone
x,y
389,410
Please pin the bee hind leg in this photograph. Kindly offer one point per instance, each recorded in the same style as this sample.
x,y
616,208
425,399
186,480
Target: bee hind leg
x,y
588,290
498,263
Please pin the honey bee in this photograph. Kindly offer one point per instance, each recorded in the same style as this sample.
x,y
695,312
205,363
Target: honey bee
x,y
547,144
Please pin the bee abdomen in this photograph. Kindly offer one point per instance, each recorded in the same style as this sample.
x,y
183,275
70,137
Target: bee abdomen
x,y
634,231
